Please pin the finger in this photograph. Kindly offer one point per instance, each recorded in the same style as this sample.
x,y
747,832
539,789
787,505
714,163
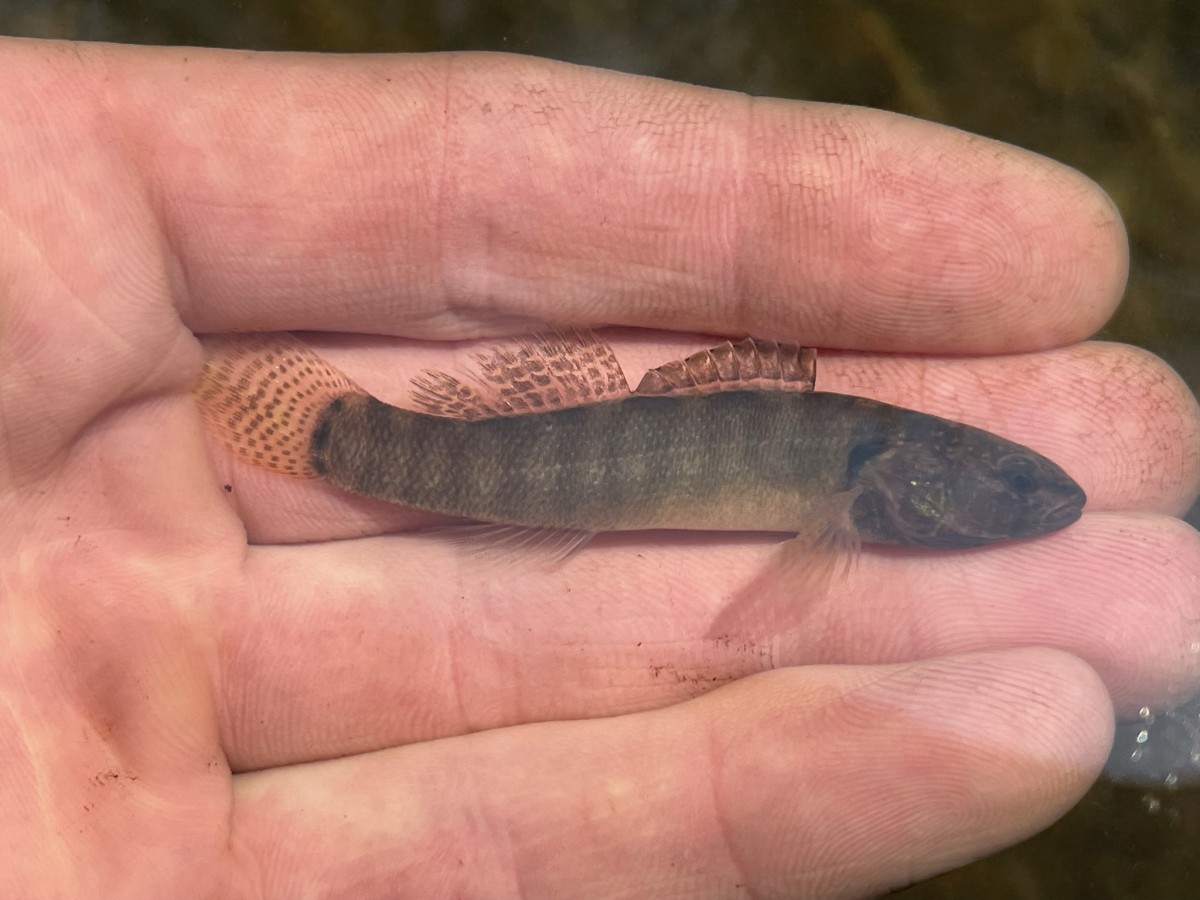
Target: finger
x,y
366,644
1116,418
829,782
463,193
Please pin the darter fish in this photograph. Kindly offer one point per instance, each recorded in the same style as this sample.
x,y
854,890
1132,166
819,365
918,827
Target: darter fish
x,y
548,437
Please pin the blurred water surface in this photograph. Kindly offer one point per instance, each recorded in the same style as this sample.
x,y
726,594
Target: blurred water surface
x,y
1108,86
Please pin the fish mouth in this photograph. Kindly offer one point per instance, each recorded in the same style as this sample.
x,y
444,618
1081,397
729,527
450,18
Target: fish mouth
x,y
1065,512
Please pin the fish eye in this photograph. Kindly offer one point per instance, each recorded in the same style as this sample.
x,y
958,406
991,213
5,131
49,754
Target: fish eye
x,y
862,452
1020,475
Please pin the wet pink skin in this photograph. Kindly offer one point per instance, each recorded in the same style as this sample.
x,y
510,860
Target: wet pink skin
x,y
221,683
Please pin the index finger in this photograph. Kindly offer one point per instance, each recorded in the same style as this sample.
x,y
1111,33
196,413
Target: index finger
x,y
457,194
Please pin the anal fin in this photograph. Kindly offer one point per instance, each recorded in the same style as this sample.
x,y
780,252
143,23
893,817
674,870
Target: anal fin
x,y
545,548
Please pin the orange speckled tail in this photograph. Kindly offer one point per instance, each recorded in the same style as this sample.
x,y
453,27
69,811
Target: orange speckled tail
x,y
262,394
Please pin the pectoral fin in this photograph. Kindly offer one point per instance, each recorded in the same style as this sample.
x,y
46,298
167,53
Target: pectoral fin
x,y
800,571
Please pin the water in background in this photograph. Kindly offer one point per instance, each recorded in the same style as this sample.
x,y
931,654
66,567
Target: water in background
x,y
1108,86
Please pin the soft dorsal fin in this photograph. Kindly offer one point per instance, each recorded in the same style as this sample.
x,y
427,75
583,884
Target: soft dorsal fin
x,y
554,370
747,365
441,394
261,394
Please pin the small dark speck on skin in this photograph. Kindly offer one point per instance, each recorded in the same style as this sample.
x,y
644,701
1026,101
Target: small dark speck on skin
x,y
228,488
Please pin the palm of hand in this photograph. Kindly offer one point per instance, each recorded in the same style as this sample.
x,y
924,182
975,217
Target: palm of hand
x,y
149,650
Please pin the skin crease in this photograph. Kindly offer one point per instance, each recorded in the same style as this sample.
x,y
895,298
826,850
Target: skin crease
x,y
187,704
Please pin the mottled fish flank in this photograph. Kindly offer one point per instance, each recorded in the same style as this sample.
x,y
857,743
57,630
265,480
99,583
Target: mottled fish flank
x,y
548,435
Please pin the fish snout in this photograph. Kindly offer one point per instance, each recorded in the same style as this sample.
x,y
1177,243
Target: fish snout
x,y
1065,508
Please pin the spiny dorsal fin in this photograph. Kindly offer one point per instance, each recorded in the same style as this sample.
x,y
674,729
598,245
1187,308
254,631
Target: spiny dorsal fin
x,y
747,365
261,395
554,370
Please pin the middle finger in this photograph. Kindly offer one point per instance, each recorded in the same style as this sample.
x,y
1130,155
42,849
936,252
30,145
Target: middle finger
x,y
357,645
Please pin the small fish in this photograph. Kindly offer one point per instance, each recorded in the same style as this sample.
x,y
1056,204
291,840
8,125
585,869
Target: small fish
x,y
549,440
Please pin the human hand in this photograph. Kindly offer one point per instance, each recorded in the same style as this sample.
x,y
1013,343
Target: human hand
x,y
194,677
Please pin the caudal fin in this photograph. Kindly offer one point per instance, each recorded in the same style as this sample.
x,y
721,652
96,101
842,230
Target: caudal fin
x,y
262,395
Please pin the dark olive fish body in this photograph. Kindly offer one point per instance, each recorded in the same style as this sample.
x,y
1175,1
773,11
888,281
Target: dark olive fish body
x,y
549,436
734,460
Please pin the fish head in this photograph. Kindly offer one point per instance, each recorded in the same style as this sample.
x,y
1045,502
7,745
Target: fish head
x,y
936,483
